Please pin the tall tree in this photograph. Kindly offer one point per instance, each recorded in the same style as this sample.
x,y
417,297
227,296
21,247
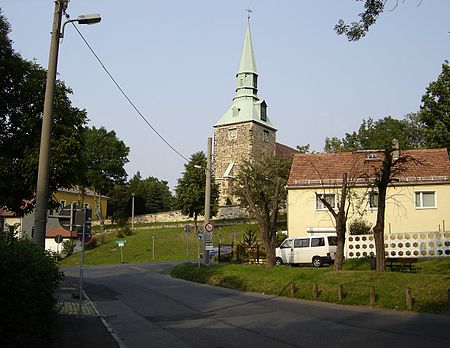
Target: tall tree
x,y
190,190
105,156
435,110
378,134
22,88
261,188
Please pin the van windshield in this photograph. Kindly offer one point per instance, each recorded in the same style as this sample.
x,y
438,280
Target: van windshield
x,y
332,240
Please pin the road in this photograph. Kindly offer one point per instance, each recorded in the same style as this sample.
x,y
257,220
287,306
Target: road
x,y
148,308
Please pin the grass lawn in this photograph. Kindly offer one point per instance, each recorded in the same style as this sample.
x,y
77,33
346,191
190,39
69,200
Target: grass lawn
x,y
170,245
429,284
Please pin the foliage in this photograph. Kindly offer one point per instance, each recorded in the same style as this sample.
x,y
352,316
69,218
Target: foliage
x,y
22,89
435,110
249,238
27,303
190,190
92,244
118,204
261,188
127,231
69,247
359,226
280,237
357,30
304,148
373,135
105,157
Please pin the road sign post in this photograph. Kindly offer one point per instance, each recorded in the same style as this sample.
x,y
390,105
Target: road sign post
x,y
187,229
121,244
153,246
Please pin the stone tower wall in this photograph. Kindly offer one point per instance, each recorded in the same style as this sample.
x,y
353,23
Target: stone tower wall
x,y
248,143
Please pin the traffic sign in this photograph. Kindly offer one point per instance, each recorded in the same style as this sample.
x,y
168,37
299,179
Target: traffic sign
x,y
121,243
209,227
59,239
200,236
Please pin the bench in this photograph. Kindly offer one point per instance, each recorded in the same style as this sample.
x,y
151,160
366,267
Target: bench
x,y
401,263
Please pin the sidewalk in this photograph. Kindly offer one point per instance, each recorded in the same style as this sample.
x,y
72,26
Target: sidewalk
x,y
71,330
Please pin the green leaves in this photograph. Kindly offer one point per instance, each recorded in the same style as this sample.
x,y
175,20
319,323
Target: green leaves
x,y
190,190
435,110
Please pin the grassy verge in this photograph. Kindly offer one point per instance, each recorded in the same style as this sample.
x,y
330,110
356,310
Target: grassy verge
x,y
429,285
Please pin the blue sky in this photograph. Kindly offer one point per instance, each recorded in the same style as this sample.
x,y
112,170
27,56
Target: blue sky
x,y
177,60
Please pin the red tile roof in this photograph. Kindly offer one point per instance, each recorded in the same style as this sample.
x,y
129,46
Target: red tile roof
x,y
284,150
424,165
53,232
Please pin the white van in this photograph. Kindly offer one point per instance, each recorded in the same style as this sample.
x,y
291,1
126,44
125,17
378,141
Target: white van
x,y
311,249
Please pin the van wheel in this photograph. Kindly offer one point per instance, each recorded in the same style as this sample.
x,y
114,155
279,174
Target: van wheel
x,y
317,262
278,261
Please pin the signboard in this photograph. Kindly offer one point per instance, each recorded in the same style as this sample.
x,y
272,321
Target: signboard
x,y
87,237
59,239
209,227
153,237
121,243
209,246
201,236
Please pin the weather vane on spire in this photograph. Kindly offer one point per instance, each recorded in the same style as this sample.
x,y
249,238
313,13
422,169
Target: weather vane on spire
x,y
249,11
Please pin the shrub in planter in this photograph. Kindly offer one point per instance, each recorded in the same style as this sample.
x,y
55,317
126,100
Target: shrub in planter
x,y
27,304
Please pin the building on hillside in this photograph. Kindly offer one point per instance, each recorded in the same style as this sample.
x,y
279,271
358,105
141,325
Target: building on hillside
x,y
65,197
244,132
417,201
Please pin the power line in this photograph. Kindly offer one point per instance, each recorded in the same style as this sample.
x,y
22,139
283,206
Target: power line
x,y
126,96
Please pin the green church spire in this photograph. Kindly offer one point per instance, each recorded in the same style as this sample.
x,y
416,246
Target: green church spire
x,y
246,105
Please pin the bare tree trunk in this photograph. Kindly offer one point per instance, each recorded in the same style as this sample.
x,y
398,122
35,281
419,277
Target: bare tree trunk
x,y
378,231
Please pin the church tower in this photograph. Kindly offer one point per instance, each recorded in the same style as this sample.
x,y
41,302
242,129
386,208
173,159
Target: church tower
x,y
244,133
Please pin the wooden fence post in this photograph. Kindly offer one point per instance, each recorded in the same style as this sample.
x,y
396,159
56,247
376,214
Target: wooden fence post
x,y
409,299
372,295
315,291
341,294
293,289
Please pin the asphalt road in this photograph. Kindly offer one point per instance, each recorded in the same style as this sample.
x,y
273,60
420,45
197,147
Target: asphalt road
x,y
147,308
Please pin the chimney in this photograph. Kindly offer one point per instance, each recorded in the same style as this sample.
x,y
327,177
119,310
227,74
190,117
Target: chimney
x,y
395,149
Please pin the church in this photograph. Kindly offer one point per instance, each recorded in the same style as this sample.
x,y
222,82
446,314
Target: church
x,y
244,132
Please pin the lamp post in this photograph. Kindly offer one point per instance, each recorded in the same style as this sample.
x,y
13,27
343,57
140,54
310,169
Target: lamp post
x,y
40,220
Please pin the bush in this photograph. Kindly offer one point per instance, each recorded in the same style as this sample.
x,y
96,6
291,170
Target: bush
x,y
27,304
360,226
91,245
69,246
127,231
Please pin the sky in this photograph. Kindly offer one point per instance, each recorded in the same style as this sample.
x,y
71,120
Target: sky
x,y
177,61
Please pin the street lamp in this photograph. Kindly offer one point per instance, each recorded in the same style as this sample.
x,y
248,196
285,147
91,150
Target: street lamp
x,y
40,220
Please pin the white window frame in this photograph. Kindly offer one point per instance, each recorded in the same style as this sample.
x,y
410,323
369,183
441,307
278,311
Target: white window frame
x,y
369,200
421,192
319,205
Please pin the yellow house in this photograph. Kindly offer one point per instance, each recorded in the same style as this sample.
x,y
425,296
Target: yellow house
x,y
87,198
418,200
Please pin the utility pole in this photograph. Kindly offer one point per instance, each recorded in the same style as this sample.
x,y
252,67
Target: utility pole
x,y
40,217
132,211
207,195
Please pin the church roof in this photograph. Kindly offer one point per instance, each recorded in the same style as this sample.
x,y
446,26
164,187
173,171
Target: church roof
x,y
246,106
247,64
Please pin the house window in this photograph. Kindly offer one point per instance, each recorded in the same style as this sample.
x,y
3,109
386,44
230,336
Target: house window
x,y
373,200
329,197
266,136
255,81
425,199
317,242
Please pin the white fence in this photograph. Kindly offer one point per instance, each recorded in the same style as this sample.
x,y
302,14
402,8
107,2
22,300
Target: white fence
x,y
426,244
